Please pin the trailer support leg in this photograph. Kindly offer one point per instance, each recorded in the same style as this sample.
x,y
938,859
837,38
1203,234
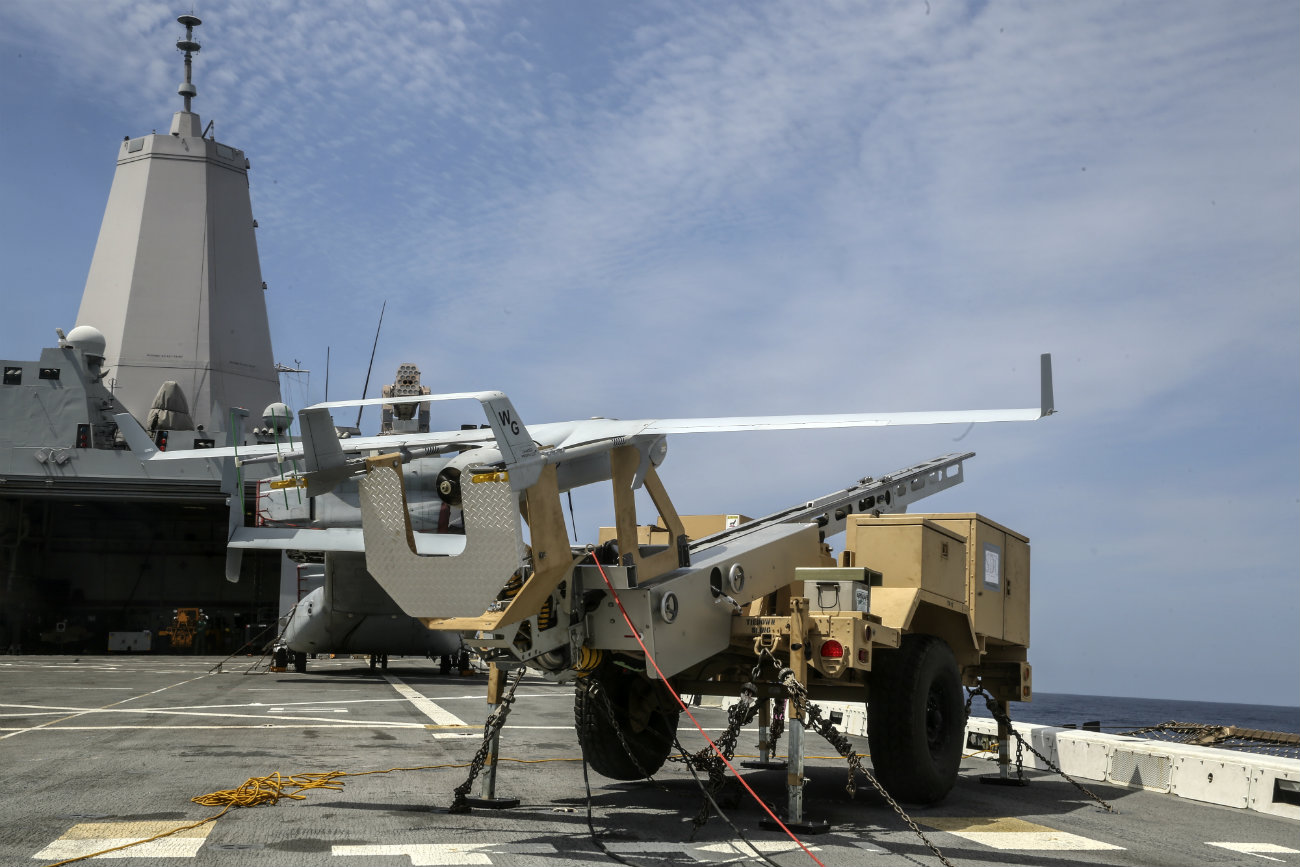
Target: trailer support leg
x,y
487,781
795,820
765,761
1003,777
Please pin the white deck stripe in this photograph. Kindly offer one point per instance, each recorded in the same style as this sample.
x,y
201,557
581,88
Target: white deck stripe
x,y
84,711
438,854
439,715
1034,841
167,847
1256,849
88,838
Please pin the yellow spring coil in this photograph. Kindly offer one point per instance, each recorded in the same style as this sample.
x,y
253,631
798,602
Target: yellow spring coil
x,y
588,660
546,617
512,587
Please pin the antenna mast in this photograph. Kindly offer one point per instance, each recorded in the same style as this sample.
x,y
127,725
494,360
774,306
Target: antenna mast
x,y
190,47
366,387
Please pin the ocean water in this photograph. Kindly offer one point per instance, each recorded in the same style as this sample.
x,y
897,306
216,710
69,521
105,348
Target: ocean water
x,y
1117,713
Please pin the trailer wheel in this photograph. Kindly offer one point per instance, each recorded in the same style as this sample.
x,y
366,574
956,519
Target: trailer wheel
x,y
916,719
649,736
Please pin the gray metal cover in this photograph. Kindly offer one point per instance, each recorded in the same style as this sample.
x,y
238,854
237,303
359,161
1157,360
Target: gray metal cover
x,y
459,586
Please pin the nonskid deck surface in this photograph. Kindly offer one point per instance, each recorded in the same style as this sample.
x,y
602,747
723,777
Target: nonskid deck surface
x,y
98,751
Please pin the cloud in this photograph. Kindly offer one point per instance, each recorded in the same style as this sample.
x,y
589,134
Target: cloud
x,y
671,209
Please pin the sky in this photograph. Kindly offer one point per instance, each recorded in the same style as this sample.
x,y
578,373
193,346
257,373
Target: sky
x,y
664,209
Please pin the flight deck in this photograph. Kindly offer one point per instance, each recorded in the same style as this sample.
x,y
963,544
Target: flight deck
x,y
99,751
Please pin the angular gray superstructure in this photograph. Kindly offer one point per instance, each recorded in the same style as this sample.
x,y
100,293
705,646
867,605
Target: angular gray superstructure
x,y
175,285
92,542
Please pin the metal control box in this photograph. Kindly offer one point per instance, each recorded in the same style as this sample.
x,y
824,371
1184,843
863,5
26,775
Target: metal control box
x,y
836,589
963,557
997,568
910,551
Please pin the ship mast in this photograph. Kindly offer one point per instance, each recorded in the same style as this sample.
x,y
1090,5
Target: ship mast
x,y
175,285
190,47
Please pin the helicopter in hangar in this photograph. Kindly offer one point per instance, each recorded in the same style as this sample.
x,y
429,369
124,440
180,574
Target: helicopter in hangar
x,y
351,611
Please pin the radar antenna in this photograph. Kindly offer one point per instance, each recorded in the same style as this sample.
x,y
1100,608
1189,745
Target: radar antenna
x,y
190,47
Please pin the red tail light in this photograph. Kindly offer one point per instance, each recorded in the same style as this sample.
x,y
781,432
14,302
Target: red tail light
x,y
832,650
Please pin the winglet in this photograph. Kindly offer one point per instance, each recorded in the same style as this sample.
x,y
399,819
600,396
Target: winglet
x,y
322,454
136,437
1048,400
516,445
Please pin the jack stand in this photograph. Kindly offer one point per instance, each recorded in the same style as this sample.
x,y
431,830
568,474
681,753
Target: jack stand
x,y
765,761
1003,776
794,779
487,782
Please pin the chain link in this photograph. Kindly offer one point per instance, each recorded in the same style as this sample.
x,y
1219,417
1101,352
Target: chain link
x,y
799,695
777,724
995,707
608,708
777,727
491,728
739,715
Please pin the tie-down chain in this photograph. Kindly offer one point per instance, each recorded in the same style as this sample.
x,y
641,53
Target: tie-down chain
x,y
995,708
491,728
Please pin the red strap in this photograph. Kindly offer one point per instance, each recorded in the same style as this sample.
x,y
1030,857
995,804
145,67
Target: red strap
x,y
650,659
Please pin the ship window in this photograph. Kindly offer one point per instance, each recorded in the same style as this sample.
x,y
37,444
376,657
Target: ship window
x,y
49,373
134,145
13,375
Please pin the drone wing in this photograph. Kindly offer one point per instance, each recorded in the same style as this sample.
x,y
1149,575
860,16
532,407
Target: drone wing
x,y
525,450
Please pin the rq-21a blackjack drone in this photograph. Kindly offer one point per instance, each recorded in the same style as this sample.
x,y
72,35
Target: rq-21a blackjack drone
x,y
914,607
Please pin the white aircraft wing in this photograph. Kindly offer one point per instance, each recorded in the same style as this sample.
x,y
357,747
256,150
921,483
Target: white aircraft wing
x,y
291,452
520,446
333,540
597,429
505,430
799,422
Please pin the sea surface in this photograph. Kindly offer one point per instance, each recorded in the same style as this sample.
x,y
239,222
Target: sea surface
x,y
1117,714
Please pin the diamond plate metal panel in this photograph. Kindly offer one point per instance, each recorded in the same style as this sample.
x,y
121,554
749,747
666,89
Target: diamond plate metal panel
x,y
459,586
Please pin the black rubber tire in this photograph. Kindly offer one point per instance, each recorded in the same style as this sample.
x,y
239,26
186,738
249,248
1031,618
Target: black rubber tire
x,y
600,742
300,662
916,719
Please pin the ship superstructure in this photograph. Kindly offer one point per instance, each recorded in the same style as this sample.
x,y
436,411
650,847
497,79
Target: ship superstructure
x,y
175,285
173,329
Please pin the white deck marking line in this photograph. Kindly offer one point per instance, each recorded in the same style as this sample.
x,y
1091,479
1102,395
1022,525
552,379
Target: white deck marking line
x,y
741,851
106,707
567,696
708,853
1256,849
1014,834
160,711
1035,841
280,704
298,723
440,716
439,854
309,710
88,838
